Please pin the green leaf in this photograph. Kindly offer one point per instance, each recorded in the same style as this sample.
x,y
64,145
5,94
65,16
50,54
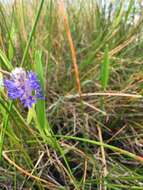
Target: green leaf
x,y
40,106
105,69
31,114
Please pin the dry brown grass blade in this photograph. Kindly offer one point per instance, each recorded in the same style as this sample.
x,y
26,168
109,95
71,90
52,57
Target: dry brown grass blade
x,y
72,48
121,46
23,171
85,170
95,108
4,72
119,94
105,171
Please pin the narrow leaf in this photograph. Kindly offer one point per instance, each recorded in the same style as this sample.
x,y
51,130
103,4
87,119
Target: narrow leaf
x,y
105,69
40,106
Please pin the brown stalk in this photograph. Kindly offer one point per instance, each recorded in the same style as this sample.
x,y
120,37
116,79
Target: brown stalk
x,y
72,48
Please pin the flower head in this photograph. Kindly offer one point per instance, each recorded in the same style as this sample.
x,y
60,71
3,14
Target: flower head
x,y
24,86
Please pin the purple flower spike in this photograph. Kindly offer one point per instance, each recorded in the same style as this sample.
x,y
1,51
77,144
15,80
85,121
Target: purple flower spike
x,y
24,86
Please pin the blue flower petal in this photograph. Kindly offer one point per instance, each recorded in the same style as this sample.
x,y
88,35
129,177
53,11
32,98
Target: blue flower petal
x,y
22,85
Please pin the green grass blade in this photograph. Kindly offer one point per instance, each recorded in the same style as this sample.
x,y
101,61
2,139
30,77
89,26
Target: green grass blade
x,y
32,32
119,14
5,61
3,130
105,69
40,106
131,5
108,146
